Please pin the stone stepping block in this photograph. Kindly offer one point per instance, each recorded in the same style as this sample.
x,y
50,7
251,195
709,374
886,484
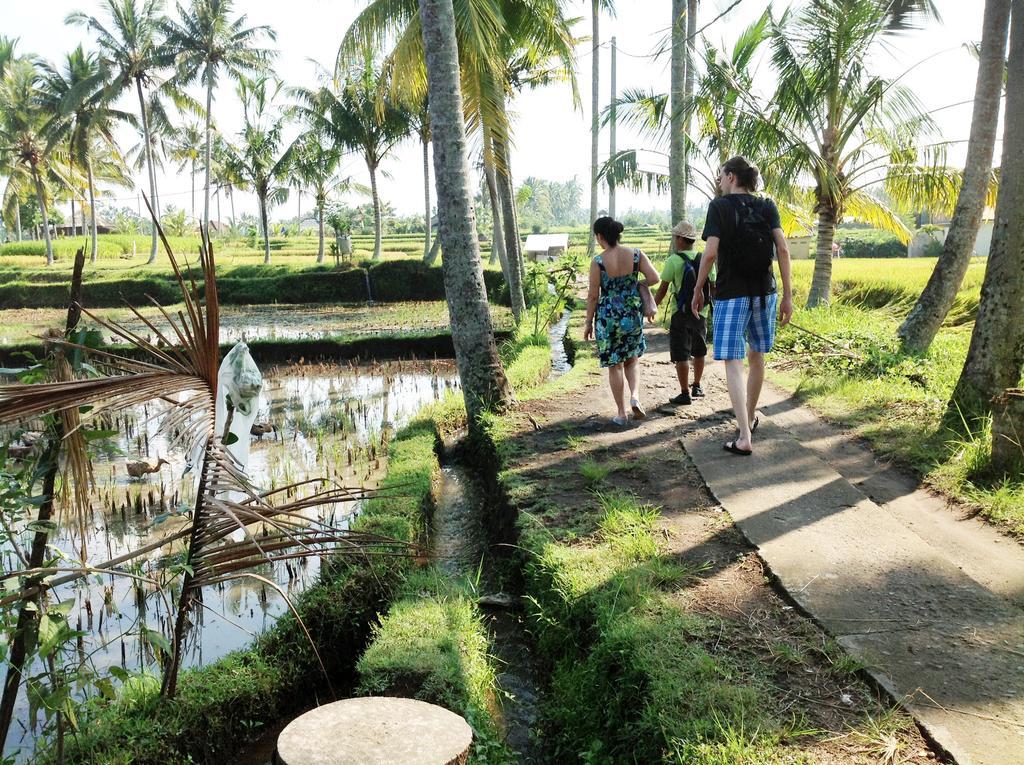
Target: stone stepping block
x,y
375,731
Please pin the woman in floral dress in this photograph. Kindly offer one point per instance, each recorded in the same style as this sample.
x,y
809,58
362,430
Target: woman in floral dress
x,y
615,313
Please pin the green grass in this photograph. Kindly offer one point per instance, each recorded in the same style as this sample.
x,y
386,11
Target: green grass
x,y
897,401
619,643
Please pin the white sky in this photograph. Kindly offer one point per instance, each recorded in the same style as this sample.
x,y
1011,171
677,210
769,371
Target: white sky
x,y
552,140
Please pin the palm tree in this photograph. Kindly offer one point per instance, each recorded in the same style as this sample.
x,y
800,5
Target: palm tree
x,y
259,158
226,175
724,126
316,165
187,151
131,48
921,325
84,119
22,140
354,111
483,379
996,354
834,121
422,128
207,41
502,45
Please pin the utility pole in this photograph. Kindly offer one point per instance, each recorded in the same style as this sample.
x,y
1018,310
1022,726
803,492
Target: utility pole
x,y
595,124
611,136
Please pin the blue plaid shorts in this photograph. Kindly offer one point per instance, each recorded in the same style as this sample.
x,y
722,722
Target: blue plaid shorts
x,y
742,321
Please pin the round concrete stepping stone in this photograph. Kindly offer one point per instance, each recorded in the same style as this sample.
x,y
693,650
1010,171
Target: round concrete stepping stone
x,y
376,731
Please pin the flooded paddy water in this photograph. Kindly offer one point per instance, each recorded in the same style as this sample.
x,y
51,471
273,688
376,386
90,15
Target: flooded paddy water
x,y
330,421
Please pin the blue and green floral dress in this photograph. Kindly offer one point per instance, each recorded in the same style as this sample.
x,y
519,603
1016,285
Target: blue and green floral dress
x,y
619,323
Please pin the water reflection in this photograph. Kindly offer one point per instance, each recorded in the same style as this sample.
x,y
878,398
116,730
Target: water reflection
x,y
320,421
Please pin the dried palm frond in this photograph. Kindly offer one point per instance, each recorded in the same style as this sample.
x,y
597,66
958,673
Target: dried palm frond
x,y
179,370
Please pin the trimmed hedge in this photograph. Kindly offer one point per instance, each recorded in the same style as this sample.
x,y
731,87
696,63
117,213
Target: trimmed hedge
x,y
391,281
870,243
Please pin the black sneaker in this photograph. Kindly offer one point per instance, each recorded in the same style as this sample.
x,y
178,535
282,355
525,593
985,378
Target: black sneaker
x,y
683,399
696,391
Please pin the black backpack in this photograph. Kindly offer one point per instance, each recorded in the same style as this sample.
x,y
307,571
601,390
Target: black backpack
x,y
751,247
684,297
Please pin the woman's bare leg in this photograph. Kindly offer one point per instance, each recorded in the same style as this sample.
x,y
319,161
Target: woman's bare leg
x,y
615,383
632,372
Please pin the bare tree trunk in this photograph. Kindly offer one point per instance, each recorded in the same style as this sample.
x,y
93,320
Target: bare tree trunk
x,y
320,232
922,324
498,233
266,229
996,353
483,379
231,198
595,125
510,223
148,156
209,155
677,103
92,213
17,217
691,82
821,283
376,211
611,130
74,228
41,194
426,197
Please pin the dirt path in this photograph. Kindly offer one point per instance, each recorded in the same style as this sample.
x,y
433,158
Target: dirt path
x,y
928,599
567,447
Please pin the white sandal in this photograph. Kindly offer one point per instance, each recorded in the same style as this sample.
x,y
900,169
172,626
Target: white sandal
x,y
620,421
638,411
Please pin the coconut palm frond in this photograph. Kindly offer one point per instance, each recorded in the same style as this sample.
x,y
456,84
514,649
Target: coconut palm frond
x,y
624,171
873,211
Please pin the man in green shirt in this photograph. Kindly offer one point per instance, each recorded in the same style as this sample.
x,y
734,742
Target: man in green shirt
x,y
687,334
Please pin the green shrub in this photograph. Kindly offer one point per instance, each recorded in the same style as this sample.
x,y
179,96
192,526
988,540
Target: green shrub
x,y
869,243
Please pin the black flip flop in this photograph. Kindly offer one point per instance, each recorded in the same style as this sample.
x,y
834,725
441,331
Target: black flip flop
x,y
754,424
732,448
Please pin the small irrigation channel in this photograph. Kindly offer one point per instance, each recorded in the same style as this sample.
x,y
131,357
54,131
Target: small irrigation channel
x,y
463,541
325,420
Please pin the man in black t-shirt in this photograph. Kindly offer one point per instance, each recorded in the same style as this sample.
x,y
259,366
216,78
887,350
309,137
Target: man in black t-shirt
x,y
743,235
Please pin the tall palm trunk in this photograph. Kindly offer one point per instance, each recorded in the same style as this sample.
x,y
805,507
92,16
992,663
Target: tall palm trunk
x,y
483,379
92,212
921,325
231,199
677,102
209,155
996,353
41,195
74,228
821,283
320,231
193,190
691,83
148,158
266,229
376,210
595,126
498,236
510,224
17,217
426,195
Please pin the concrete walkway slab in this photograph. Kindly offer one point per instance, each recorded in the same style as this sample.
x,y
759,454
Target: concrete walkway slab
x,y
890,587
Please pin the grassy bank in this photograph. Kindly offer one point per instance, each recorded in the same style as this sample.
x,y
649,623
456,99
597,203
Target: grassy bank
x,y
861,379
387,281
432,644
